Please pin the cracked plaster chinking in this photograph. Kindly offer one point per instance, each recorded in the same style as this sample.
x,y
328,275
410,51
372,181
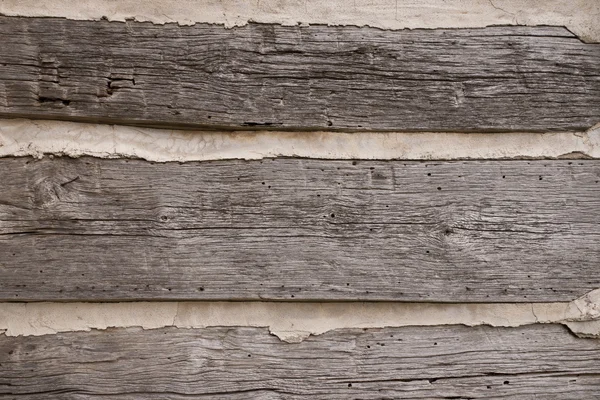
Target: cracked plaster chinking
x,y
292,322
20,137
579,16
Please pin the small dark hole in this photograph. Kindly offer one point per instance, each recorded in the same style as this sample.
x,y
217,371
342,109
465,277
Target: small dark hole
x,y
429,174
506,382
432,380
329,123
349,385
332,215
353,162
439,188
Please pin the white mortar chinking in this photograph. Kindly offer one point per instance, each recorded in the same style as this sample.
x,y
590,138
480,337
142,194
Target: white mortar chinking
x,y
20,137
579,16
293,322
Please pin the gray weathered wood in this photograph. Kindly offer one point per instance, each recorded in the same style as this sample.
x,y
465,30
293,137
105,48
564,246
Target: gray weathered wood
x,y
453,362
317,77
481,231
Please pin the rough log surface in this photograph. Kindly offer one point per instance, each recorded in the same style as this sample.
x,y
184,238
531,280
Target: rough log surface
x,y
453,362
302,78
475,231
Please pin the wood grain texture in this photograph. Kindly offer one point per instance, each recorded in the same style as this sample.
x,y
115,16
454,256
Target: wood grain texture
x,y
300,78
474,231
453,362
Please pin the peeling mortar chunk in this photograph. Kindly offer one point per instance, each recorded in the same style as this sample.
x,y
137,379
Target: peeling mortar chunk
x,y
294,322
588,305
22,137
585,329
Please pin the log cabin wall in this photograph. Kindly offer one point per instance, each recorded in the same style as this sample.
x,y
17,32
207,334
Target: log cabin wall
x,y
285,199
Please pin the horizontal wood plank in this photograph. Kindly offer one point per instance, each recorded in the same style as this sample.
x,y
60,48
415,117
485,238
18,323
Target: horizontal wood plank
x,y
453,362
301,78
299,229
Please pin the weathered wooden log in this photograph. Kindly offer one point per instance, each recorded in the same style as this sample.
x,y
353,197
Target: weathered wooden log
x,y
474,231
452,362
300,78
